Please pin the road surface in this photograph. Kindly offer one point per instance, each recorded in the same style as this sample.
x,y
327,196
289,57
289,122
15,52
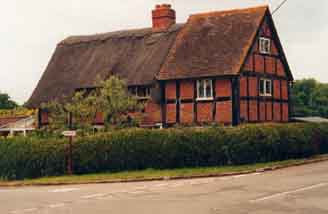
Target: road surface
x,y
302,189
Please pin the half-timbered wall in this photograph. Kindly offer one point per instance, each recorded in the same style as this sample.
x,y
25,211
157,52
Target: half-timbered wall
x,y
253,106
182,106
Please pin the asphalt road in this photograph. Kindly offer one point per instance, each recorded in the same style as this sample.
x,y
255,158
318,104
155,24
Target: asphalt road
x,y
298,190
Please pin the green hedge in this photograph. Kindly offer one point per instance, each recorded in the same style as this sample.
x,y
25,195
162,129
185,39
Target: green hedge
x,y
135,149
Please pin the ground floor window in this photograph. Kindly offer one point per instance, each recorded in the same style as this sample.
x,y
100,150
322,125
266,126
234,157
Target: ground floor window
x,y
204,89
142,92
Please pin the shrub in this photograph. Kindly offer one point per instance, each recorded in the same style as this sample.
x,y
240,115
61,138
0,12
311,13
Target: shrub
x,y
134,149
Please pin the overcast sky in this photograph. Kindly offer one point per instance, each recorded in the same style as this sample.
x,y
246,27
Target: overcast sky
x,y
31,29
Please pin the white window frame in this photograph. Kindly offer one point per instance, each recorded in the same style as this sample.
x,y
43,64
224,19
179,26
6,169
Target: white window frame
x,y
263,42
204,82
265,92
137,89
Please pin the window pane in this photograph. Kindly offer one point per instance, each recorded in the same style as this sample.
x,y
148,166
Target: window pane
x,y
268,87
262,87
265,45
133,91
200,88
208,88
147,92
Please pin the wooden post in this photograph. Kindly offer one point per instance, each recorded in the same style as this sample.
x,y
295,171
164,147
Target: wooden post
x,y
70,152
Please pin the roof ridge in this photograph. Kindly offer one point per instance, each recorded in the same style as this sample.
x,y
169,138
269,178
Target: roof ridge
x,y
72,40
219,12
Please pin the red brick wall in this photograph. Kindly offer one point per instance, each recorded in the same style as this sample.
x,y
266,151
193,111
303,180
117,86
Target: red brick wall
x,y
264,64
259,63
223,88
99,119
243,111
270,65
204,112
171,113
285,115
262,111
284,90
186,113
152,113
253,90
187,89
253,113
274,49
170,90
280,69
276,89
224,112
269,111
243,87
276,112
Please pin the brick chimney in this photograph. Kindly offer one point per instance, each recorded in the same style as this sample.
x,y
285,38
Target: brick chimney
x,y
163,17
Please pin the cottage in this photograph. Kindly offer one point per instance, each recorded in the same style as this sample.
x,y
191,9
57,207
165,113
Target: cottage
x,y
225,67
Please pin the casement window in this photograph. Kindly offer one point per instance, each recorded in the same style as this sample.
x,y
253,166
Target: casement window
x,y
265,45
142,92
204,89
265,87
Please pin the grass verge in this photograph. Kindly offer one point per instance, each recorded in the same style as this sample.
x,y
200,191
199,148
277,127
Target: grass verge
x,y
154,174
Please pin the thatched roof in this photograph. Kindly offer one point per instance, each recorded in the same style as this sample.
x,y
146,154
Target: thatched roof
x,y
134,55
209,44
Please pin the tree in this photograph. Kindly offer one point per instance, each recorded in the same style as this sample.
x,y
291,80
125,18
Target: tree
x,y
310,98
6,102
110,97
115,101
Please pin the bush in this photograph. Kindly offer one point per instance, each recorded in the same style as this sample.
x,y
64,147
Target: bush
x,y
135,149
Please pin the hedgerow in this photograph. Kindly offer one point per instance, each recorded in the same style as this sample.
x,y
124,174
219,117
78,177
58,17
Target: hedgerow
x,y
135,149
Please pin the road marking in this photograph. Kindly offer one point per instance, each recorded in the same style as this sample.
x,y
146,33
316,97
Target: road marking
x,y
52,206
141,187
64,190
289,192
98,195
177,184
137,192
239,176
24,211
11,190
161,185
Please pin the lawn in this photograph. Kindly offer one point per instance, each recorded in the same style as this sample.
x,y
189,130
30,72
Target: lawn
x,y
155,174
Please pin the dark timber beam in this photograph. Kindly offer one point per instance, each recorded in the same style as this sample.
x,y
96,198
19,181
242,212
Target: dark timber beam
x,y
195,102
163,103
177,101
235,101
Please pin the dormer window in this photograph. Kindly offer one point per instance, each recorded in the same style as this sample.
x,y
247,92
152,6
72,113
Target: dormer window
x,y
204,89
265,45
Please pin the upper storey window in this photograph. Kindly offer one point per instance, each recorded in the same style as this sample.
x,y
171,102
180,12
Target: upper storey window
x,y
265,45
204,89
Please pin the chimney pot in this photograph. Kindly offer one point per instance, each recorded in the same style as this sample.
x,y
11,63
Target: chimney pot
x,y
163,17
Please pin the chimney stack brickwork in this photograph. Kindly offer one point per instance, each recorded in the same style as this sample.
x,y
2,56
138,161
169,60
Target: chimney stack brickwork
x,y
163,17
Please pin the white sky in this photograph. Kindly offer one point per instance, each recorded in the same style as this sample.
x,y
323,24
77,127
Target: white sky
x,y
31,29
